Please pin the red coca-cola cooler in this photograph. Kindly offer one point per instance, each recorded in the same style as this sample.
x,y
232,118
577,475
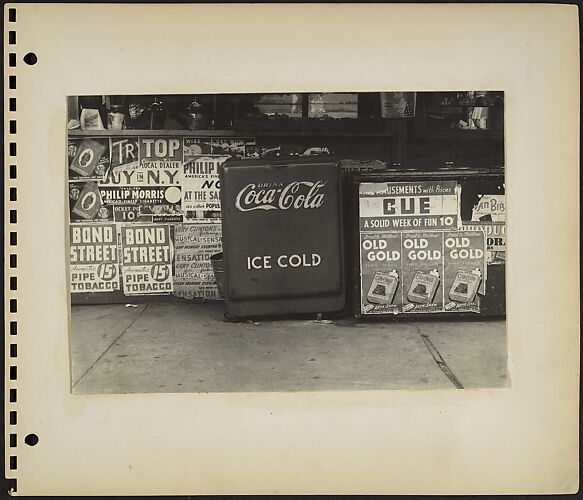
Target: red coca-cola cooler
x,y
282,237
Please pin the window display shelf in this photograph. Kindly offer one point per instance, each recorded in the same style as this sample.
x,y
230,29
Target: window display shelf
x,y
310,126
463,134
157,133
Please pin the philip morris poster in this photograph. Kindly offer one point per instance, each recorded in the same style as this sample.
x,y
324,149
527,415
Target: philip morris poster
x,y
423,270
159,203
465,270
194,245
199,178
147,255
381,275
93,258
409,206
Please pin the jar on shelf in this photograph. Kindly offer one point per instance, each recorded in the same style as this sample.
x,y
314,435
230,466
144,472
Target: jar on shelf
x,y
197,119
116,117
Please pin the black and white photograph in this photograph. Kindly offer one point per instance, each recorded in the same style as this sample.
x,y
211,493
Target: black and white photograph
x,y
287,242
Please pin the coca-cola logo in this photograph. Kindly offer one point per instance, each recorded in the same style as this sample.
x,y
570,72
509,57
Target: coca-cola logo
x,y
273,196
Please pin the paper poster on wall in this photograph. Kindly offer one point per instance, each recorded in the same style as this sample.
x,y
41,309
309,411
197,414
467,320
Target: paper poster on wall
x,y
125,154
162,202
230,146
86,202
381,275
81,207
147,257
88,158
495,233
94,263
465,270
194,245
422,268
145,161
160,152
409,206
130,213
199,179
139,176
490,208
196,146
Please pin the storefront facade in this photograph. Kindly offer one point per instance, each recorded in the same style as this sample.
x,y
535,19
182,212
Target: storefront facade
x,y
422,187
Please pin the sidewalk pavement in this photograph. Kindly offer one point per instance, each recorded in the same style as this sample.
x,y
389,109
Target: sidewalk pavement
x,y
179,346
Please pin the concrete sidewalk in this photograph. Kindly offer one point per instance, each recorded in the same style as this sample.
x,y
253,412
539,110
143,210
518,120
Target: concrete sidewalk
x,y
178,346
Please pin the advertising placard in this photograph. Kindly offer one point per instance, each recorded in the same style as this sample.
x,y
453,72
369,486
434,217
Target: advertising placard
x,y
87,202
231,146
193,274
145,161
422,269
88,158
381,276
139,176
199,178
130,213
125,154
147,256
409,206
465,270
495,233
490,208
93,258
196,146
160,152
160,202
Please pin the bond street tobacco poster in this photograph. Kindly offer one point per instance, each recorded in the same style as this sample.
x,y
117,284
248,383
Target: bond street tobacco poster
x,y
94,258
147,257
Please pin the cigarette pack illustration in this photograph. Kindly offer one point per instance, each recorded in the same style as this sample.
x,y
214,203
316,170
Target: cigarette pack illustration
x,y
423,287
465,285
87,157
89,202
383,287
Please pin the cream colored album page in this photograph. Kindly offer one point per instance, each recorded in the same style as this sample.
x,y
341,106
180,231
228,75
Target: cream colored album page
x,y
126,371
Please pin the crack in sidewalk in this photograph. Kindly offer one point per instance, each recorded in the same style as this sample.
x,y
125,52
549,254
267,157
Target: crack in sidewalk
x,y
436,355
109,347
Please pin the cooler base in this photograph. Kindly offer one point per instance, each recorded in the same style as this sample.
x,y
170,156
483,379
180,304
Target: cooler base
x,y
271,307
